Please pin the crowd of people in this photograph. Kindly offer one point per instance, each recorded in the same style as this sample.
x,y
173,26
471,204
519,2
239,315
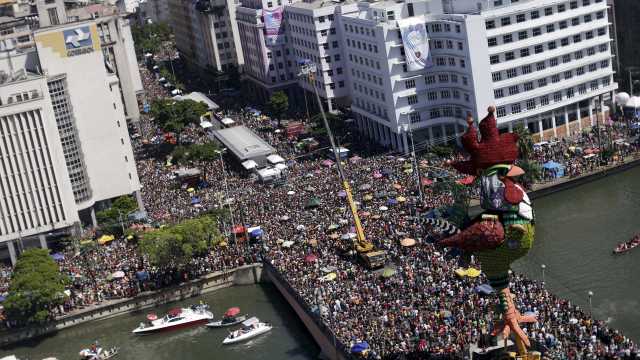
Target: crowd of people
x,y
419,306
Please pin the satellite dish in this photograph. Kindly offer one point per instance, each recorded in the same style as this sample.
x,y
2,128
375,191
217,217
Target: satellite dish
x,y
622,98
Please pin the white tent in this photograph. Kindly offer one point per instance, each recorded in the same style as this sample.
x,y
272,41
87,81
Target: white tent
x,y
206,124
268,174
634,102
249,164
281,166
275,158
227,121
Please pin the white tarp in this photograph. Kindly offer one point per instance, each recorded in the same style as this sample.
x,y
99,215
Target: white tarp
x,y
281,166
249,164
227,121
268,174
416,43
275,158
206,124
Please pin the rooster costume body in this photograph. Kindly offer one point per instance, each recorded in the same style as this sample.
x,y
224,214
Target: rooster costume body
x,y
505,231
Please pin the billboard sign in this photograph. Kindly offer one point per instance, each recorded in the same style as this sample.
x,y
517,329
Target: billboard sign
x,y
273,26
416,43
78,41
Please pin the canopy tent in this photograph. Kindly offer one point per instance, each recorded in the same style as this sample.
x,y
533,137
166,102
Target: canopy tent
x,y
268,174
238,229
231,312
249,164
198,97
57,257
342,194
485,289
327,163
388,272
195,200
280,167
243,143
118,274
206,124
407,242
310,258
553,169
255,232
275,158
360,347
105,239
633,102
227,121
343,153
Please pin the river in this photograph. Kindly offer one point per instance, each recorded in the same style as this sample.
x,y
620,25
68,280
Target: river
x,y
576,231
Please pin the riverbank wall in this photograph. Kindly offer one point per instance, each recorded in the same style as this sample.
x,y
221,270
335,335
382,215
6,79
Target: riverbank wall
x,y
330,346
244,275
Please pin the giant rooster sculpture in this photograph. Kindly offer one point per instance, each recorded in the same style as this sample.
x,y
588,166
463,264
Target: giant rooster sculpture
x,y
504,232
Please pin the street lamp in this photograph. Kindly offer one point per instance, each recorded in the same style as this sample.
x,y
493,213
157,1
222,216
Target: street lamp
x,y
414,162
543,266
590,293
226,190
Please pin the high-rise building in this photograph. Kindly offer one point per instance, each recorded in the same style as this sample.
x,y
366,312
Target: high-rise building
x,y
206,33
154,11
64,105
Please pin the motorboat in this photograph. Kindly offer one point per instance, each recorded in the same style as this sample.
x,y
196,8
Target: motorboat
x,y
98,353
174,319
230,317
250,328
627,246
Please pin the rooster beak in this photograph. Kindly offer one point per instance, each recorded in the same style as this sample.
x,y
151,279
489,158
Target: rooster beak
x,y
515,171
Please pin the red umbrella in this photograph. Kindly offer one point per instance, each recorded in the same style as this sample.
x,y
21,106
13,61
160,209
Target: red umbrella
x,y
310,258
175,312
426,182
238,229
232,312
467,181
152,317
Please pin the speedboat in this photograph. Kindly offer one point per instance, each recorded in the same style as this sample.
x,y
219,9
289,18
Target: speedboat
x,y
250,328
229,318
175,318
98,353
627,246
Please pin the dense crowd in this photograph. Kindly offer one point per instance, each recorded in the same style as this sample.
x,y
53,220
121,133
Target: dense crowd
x,y
420,306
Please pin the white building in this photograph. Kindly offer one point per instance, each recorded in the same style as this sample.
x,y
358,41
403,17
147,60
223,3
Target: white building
x,y
64,123
155,11
206,33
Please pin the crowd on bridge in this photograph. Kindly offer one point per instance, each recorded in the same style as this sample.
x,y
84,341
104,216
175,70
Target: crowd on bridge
x,y
418,306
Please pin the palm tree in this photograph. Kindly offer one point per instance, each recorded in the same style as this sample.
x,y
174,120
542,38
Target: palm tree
x,y
532,170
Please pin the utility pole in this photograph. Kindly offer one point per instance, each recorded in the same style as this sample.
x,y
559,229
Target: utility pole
x,y
226,190
409,129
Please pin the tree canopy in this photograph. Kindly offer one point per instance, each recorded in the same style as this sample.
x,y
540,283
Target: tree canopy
x,y
36,287
109,219
175,245
173,116
149,37
195,152
278,104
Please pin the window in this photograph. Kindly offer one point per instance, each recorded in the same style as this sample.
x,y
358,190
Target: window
x,y
535,14
544,100
463,63
458,28
570,93
409,84
602,31
564,42
464,80
513,90
412,99
557,97
555,78
551,45
568,75
575,21
491,24
497,2
501,111
593,67
538,49
548,11
456,94
496,76
553,62
577,38
460,47
587,18
531,104
604,63
562,25
445,94
431,79
551,28
528,86
561,8
507,38
511,73
536,32
604,47
600,15
415,116
494,59
526,69
588,35
53,16
520,18
585,2
454,78
443,78
515,108
578,55
452,62
498,93
509,56
566,58
492,42
573,5
524,52
432,95
540,66
505,21
522,35
542,82
594,85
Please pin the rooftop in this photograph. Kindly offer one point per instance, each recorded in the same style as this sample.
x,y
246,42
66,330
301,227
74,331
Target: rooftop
x,y
243,143
318,4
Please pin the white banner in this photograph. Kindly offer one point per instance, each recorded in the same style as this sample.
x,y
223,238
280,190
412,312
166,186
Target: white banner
x,y
416,43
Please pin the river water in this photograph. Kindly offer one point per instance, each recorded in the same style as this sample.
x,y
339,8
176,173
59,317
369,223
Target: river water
x,y
576,232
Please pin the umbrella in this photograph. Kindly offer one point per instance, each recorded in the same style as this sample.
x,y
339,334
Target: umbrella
x,y
142,275
118,274
287,244
380,194
310,189
365,213
360,347
383,208
377,175
231,312
368,197
426,182
57,257
348,236
310,258
401,199
195,200
334,236
279,241
105,239
364,187
191,189
329,277
284,218
313,203
397,186
223,243
342,193
485,289
355,159
300,227
327,163
313,242
2,298
388,272
407,242
291,192
408,171
466,181
406,166
392,202
333,227
152,317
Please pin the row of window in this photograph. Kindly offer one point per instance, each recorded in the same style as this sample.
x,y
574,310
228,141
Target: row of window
x,y
535,14
443,27
374,64
365,76
537,31
542,65
371,107
445,78
447,94
362,45
359,30
373,93
556,97
309,32
540,48
449,61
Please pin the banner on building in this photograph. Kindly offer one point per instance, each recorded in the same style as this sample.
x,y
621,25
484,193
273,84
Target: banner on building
x,y
273,26
416,43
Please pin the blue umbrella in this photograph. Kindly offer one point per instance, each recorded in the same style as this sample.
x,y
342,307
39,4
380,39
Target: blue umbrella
x,y
359,347
142,275
392,202
57,257
256,233
485,289
195,200
2,298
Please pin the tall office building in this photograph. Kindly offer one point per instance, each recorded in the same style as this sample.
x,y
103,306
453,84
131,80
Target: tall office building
x,y
154,11
64,118
206,33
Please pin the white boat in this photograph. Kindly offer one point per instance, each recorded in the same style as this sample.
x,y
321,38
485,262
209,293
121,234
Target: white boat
x,y
98,353
174,319
250,328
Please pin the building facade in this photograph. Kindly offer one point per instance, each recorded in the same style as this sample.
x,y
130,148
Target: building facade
x,y
155,11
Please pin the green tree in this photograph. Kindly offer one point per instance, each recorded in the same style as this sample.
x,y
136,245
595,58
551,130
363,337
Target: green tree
x,y
278,105
176,245
525,141
532,170
173,116
149,37
109,219
36,287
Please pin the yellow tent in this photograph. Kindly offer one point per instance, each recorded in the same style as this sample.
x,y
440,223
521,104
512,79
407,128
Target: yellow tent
x,y
86,241
105,239
470,272
222,243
